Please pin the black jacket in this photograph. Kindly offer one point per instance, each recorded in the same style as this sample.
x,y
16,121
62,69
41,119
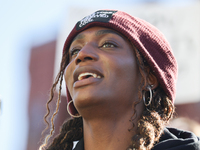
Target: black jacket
x,y
172,139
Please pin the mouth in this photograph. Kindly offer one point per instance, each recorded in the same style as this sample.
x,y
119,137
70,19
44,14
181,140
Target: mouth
x,y
86,74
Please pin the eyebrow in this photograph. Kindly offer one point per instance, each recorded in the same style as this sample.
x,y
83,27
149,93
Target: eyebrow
x,y
98,33
79,36
102,32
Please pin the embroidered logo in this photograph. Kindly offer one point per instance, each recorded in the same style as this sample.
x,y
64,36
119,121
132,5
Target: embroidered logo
x,y
98,16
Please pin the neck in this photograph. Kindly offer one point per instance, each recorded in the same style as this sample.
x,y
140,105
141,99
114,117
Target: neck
x,y
113,133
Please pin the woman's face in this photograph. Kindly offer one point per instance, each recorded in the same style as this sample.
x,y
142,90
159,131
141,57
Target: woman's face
x,y
102,70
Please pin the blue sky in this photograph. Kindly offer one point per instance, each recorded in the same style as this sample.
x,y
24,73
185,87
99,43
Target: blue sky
x,y
25,23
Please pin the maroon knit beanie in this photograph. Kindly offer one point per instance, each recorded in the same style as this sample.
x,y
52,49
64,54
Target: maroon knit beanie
x,y
149,41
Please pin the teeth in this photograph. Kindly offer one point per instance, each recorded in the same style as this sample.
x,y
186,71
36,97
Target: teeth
x,y
80,77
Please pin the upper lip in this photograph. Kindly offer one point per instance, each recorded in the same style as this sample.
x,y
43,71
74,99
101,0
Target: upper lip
x,y
86,69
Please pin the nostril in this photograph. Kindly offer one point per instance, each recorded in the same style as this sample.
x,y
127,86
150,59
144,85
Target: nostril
x,y
88,58
84,59
78,60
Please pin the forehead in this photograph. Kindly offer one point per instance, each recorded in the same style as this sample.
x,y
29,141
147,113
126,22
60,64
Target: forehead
x,y
97,31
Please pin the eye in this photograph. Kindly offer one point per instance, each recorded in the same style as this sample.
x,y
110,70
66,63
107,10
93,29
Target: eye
x,y
74,51
108,44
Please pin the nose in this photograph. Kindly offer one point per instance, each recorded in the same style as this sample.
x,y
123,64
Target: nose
x,y
87,53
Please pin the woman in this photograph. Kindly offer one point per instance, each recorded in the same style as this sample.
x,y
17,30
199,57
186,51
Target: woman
x,y
120,75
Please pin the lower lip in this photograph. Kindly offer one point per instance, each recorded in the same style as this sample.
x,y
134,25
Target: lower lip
x,y
85,82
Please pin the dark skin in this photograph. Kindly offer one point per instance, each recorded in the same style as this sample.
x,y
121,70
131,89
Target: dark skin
x,y
104,100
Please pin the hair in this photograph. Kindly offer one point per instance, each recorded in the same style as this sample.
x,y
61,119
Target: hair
x,y
149,127
155,116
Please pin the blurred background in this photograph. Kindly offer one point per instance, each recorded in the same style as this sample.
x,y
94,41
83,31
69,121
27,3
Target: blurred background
x,y
32,34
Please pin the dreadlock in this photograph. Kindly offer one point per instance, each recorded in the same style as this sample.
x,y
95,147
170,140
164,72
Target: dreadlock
x,y
59,77
155,116
149,126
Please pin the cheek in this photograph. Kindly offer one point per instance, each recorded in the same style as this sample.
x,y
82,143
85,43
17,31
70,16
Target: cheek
x,y
124,66
130,73
130,81
125,71
69,76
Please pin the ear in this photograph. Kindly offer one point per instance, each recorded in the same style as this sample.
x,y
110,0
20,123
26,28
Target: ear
x,y
152,80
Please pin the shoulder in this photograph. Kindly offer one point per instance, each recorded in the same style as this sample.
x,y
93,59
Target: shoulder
x,y
171,139
175,139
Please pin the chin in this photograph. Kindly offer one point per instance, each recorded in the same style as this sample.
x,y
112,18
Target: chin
x,y
89,98
84,99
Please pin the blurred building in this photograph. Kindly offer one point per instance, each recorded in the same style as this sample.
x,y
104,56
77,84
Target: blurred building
x,y
41,73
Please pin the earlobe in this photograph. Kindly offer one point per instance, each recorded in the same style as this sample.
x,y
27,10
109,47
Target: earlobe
x,y
152,80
